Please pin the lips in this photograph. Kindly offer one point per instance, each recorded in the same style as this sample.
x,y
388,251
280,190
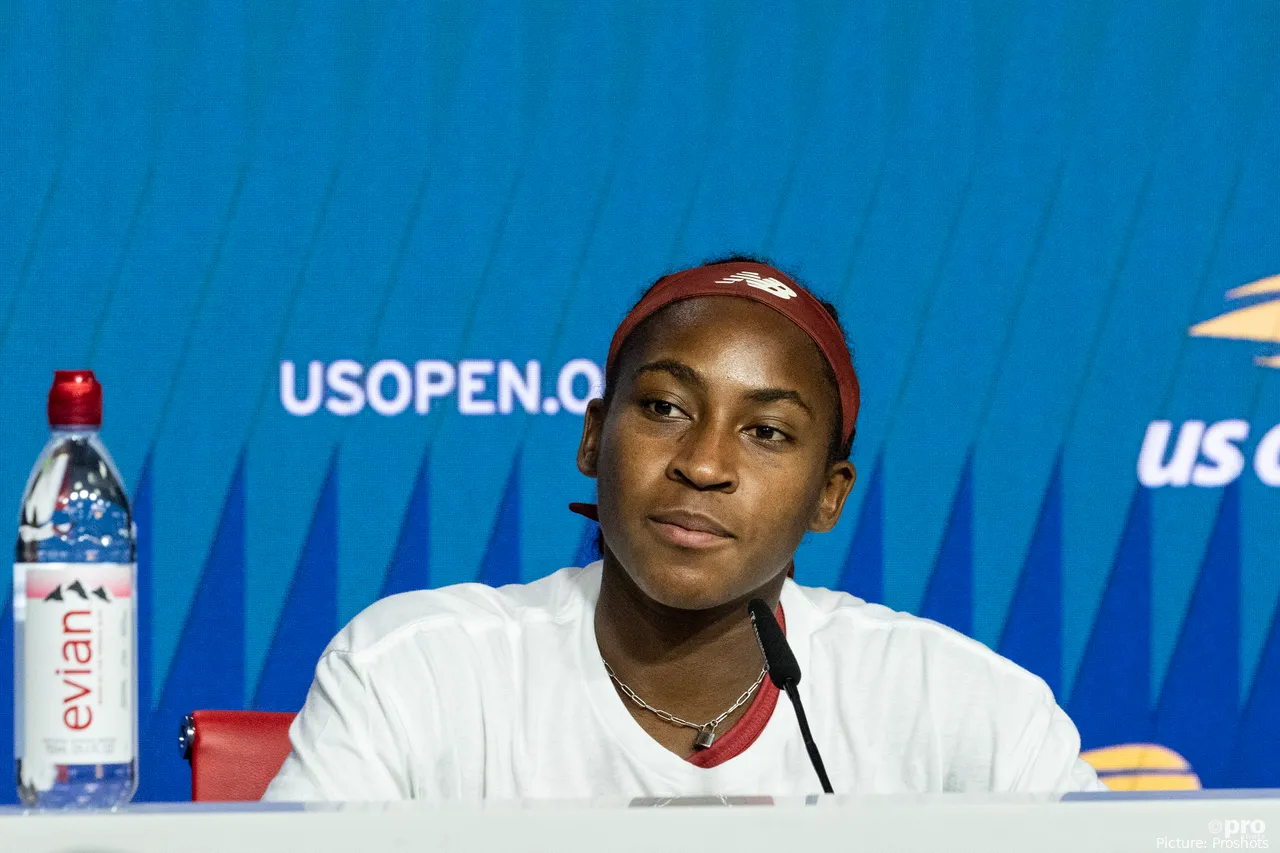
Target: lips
x,y
686,529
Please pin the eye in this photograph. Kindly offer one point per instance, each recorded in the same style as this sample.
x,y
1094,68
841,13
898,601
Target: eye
x,y
767,433
661,408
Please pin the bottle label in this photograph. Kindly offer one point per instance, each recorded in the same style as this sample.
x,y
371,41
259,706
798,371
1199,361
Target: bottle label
x,y
78,690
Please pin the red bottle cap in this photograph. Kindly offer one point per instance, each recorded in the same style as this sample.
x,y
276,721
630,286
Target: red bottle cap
x,y
75,399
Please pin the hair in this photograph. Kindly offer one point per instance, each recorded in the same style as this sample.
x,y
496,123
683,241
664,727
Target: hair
x,y
838,449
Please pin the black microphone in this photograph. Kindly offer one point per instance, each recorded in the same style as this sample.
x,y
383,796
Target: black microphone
x,y
784,672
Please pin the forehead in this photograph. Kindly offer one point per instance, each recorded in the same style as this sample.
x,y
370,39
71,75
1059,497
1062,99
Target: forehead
x,y
734,338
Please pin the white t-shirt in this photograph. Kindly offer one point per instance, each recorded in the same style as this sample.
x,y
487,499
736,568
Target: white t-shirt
x,y
471,692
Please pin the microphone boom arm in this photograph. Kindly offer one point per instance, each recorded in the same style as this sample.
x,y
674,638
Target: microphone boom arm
x,y
784,672
815,757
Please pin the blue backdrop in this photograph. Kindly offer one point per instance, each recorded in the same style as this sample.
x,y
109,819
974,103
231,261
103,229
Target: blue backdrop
x,y
1022,211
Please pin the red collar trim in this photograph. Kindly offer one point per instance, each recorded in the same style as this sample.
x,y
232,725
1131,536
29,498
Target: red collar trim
x,y
749,726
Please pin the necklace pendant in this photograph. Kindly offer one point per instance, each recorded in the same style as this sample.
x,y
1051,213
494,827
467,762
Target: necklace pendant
x,y
706,737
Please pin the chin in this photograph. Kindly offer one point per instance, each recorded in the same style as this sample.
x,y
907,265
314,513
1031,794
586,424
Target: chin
x,y
685,586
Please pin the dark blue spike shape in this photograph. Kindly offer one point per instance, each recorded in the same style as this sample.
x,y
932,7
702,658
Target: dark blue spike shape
x,y
501,564
949,598
1109,701
207,670
411,561
587,551
863,573
8,793
1255,756
1198,709
1032,635
142,520
310,616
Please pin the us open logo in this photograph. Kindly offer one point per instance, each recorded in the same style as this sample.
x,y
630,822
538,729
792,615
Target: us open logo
x,y
473,386
1213,455
1206,455
1258,322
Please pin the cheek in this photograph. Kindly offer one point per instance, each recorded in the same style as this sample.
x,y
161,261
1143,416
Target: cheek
x,y
627,464
783,503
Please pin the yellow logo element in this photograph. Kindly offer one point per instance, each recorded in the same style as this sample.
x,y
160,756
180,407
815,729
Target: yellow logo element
x,y
1260,322
1142,767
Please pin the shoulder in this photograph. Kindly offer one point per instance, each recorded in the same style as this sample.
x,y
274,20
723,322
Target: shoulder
x,y
469,609
902,644
938,692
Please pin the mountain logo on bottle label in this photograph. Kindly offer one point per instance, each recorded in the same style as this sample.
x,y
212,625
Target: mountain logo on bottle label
x,y
78,589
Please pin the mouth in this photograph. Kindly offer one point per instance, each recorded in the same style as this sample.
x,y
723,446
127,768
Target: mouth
x,y
690,529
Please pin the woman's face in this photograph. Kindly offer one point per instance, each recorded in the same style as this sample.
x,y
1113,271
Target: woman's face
x,y
712,455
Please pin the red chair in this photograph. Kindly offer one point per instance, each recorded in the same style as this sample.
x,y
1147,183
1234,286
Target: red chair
x,y
234,755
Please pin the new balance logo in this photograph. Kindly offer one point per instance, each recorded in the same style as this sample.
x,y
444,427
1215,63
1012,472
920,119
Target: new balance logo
x,y
768,285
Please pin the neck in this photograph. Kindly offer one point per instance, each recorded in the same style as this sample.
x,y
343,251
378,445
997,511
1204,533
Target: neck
x,y
691,663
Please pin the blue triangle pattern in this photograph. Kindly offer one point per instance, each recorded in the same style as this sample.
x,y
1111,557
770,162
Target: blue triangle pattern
x,y
863,572
1197,714
501,563
8,793
142,520
411,561
309,619
207,670
1255,756
587,551
1109,701
1032,635
949,598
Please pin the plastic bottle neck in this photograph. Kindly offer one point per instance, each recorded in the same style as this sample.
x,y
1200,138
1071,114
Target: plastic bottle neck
x,y
75,429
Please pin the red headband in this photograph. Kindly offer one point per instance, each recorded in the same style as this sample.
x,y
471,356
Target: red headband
x,y
768,286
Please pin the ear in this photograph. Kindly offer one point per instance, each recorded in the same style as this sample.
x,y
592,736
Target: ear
x,y
835,491
589,447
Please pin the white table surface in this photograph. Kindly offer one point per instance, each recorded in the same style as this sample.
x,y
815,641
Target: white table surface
x,y
1211,820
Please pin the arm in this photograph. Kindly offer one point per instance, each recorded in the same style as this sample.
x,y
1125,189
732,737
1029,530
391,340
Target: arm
x,y
347,743
1053,762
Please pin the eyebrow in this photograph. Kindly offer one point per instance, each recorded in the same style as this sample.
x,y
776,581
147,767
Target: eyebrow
x,y
678,369
778,395
689,376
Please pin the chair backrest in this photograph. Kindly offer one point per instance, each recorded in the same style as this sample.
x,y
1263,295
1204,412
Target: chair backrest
x,y
234,755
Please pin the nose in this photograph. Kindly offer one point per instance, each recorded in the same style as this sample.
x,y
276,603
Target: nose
x,y
706,458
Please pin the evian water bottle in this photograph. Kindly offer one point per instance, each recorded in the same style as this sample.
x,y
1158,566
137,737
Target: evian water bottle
x,y
75,690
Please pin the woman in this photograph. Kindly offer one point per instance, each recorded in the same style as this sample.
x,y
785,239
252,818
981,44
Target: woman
x,y
723,438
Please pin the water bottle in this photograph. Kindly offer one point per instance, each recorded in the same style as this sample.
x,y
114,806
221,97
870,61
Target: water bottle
x,y
75,688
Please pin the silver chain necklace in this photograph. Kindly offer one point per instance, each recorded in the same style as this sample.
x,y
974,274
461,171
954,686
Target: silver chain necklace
x,y
706,731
